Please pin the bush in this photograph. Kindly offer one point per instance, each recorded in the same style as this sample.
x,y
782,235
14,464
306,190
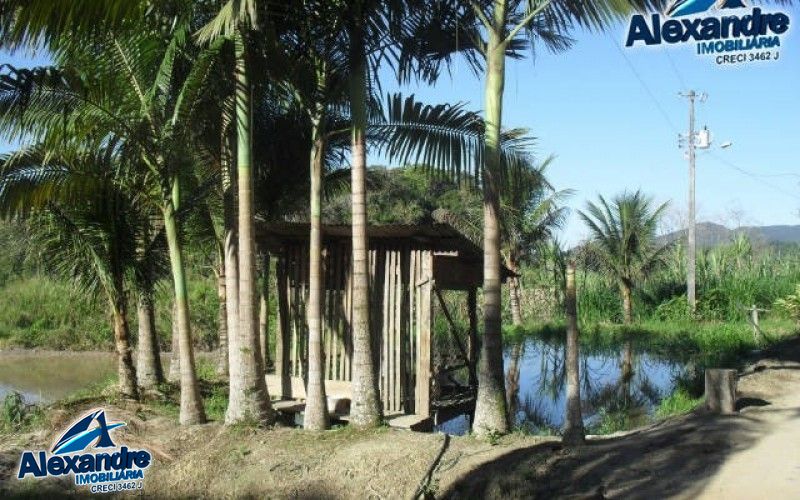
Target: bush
x,y
16,415
790,305
677,403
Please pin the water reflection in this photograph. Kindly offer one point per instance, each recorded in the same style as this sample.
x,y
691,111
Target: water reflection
x,y
619,387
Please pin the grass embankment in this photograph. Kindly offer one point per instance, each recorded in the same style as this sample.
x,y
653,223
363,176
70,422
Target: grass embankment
x,y
45,313
708,343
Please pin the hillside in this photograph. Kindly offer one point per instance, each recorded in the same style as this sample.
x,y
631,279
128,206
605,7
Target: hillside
x,y
710,234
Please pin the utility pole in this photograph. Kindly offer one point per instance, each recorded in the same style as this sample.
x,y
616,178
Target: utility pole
x,y
691,242
691,248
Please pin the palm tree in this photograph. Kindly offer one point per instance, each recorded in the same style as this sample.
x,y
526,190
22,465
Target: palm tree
x,y
248,397
504,22
624,240
134,90
85,224
530,210
149,370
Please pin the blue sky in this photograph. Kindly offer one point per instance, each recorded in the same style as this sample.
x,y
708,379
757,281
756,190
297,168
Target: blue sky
x,y
588,107
612,130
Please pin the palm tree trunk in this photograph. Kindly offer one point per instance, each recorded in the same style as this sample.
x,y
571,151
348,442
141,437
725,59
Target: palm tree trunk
x,y
512,379
222,320
230,266
316,414
627,305
514,299
174,375
148,369
366,408
263,312
192,411
573,431
491,413
248,388
126,371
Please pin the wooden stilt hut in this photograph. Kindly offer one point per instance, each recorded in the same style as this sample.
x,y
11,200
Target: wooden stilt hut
x,y
409,266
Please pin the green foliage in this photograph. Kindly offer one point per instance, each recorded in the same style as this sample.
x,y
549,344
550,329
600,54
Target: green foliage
x,y
16,416
677,403
609,422
790,304
43,312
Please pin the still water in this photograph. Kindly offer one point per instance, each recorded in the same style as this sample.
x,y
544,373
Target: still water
x,y
624,383
48,376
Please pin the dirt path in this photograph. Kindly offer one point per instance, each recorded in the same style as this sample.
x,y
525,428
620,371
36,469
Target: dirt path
x,y
754,454
770,468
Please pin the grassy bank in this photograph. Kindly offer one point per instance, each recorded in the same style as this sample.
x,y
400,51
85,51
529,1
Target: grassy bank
x,y
41,312
708,343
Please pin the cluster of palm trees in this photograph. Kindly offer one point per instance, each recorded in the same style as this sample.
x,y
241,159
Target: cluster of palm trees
x,y
161,122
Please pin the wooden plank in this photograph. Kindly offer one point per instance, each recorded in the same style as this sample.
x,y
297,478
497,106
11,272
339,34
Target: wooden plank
x,y
398,327
349,319
333,388
384,330
423,399
282,340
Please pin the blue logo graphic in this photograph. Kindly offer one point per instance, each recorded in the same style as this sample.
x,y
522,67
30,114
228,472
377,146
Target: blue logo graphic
x,y
105,470
726,29
80,436
689,7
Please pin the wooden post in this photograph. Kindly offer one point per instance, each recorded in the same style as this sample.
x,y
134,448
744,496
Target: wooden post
x,y
424,360
472,347
721,390
754,321
281,339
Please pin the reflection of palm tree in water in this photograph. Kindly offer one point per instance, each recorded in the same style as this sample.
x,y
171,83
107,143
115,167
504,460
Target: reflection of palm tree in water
x,y
512,381
626,373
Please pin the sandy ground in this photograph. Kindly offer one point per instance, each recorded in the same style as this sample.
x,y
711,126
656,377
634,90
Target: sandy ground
x,y
753,454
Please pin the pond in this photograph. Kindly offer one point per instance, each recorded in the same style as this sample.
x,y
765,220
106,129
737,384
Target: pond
x,y
42,377
619,388
623,386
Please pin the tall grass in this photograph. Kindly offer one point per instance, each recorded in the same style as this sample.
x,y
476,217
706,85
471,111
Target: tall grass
x,y
730,278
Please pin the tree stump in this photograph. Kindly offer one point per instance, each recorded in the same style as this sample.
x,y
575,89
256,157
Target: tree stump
x,y
721,390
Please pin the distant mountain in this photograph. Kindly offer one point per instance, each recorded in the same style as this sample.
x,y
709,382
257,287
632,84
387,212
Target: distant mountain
x,y
710,234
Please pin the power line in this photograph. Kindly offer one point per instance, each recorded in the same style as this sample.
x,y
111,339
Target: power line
x,y
665,51
644,85
754,176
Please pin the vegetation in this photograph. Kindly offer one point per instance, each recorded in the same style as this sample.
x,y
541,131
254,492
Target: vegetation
x,y
162,132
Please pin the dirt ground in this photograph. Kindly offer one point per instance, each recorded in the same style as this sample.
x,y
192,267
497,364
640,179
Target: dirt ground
x,y
750,455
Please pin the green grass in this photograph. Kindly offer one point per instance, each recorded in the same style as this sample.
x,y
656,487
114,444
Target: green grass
x,y
40,312
609,422
710,343
679,402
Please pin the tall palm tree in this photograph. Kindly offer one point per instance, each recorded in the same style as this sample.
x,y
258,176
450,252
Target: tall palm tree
x,y
505,22
141,89
248,398
624,240
85,224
